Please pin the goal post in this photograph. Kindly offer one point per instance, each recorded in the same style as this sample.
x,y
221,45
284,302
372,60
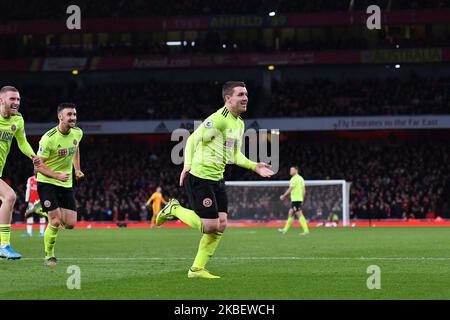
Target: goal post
x,y
260,199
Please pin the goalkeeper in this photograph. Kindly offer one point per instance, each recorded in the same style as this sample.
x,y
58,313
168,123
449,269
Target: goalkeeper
x,y
217,141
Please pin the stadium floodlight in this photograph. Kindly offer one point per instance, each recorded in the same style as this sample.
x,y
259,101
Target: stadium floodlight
x,y
397,66
173,43
272,14
247,198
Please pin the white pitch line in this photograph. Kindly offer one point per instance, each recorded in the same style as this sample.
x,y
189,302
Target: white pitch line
x,y
248,258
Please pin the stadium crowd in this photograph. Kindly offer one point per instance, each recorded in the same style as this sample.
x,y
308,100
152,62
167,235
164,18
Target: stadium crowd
x,y
390,179
320,97
54,9
316,98
148,100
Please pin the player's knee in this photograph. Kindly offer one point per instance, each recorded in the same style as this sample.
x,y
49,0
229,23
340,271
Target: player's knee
x,y
210,228
222,224
55,222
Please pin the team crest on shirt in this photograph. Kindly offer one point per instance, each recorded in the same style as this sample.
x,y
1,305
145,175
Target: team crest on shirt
x,y
47,203
13,127
208,124
41,149
75,142
207,202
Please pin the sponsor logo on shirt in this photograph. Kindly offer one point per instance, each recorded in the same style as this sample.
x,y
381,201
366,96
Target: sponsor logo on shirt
x,y
66,152
6,136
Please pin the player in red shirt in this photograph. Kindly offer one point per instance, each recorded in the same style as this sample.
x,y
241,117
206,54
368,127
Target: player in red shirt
x,y
34,207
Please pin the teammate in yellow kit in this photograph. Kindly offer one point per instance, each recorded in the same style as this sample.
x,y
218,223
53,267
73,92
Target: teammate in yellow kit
x,y
297,191
157,198
11,126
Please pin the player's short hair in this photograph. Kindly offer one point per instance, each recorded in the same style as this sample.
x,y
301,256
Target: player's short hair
x,y
295,167
66,105
228,87
5,89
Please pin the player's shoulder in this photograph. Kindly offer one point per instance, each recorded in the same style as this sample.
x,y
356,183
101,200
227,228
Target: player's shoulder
x,y
18,117
77,131
216,119
241,121
50,133
222,112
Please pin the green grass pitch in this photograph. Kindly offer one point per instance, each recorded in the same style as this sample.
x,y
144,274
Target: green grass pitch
x,y
255,263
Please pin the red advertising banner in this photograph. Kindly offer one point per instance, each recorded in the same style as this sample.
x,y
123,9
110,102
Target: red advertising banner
x,y
229,21
279,59
417,55
229,60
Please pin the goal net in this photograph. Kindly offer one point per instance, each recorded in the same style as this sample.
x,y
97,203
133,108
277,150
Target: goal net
x,y
325,200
